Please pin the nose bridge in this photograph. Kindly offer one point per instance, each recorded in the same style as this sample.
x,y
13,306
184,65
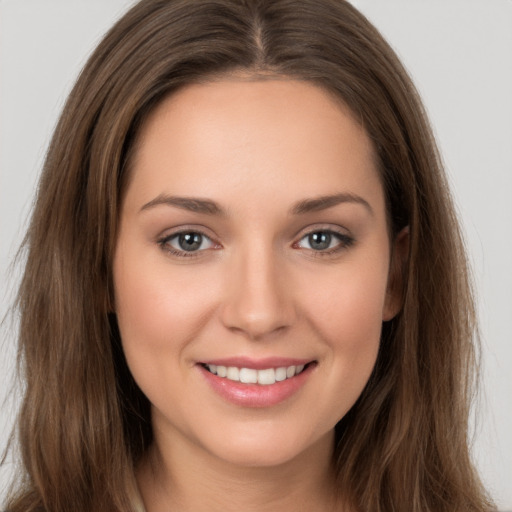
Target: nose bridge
x,y
257,301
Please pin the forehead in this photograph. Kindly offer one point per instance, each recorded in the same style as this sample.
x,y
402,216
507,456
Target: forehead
x,y
272,138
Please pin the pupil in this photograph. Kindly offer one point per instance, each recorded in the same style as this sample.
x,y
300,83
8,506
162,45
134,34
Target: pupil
x,y
320,240
190,241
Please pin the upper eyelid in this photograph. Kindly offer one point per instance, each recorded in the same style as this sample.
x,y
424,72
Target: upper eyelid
x,y
206,232
164,243
178,233
171,232
330,231
342,237
172,236
336,229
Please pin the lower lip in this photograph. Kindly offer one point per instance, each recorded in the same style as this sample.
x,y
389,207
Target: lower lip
x,y
256,395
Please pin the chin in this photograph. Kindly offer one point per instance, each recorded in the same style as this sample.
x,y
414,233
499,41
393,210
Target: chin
x,y
266,449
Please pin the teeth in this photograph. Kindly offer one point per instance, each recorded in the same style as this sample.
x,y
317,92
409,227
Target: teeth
x,y
248,376
251,376
233,373
266,377
280,374
290,371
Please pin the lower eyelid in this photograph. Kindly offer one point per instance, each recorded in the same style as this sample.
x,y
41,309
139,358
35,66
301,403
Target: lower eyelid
x,y
343,239
165,243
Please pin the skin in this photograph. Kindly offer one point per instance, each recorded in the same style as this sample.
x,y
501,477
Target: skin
x,y
255,288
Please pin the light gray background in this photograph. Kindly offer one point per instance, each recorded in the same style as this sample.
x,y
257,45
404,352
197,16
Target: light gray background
x,y
460,54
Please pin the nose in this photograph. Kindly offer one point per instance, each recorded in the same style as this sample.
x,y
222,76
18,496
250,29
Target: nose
x,y
258,301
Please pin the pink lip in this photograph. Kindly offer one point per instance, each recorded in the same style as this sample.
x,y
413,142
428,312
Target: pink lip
x,y
256,395
257,364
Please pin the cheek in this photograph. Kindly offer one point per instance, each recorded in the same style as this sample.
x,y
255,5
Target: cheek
x,y
160,314
346,312
158,311
347,305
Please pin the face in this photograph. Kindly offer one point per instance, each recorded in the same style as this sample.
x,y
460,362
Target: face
x,y
252,268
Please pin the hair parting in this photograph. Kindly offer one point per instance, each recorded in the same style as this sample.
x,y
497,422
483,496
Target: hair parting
x,y
84,424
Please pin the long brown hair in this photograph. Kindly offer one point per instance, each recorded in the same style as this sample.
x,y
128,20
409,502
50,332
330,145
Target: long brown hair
x,y
84,424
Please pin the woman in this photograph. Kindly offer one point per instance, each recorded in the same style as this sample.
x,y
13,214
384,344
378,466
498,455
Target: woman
x,y
189,343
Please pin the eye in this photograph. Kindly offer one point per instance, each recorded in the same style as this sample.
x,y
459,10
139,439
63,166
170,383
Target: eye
x,y
325,241
186,242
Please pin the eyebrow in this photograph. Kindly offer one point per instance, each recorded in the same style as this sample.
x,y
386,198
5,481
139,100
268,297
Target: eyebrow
x,y
191,204
209,207
324,202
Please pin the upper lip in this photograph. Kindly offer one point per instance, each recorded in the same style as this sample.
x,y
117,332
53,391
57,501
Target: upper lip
x,y
258,364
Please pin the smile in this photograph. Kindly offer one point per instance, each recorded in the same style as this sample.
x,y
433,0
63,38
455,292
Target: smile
x,y
264,377
257,383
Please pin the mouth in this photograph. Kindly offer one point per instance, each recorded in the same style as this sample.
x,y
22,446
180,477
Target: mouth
x,y
263,376
257,383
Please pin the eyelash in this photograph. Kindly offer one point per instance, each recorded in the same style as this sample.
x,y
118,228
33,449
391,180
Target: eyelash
x,y
164,243
344,242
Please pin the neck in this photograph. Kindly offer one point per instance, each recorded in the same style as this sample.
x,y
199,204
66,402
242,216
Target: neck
x,y
181,476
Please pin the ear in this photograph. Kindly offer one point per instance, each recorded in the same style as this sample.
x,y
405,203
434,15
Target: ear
x,y
396,278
